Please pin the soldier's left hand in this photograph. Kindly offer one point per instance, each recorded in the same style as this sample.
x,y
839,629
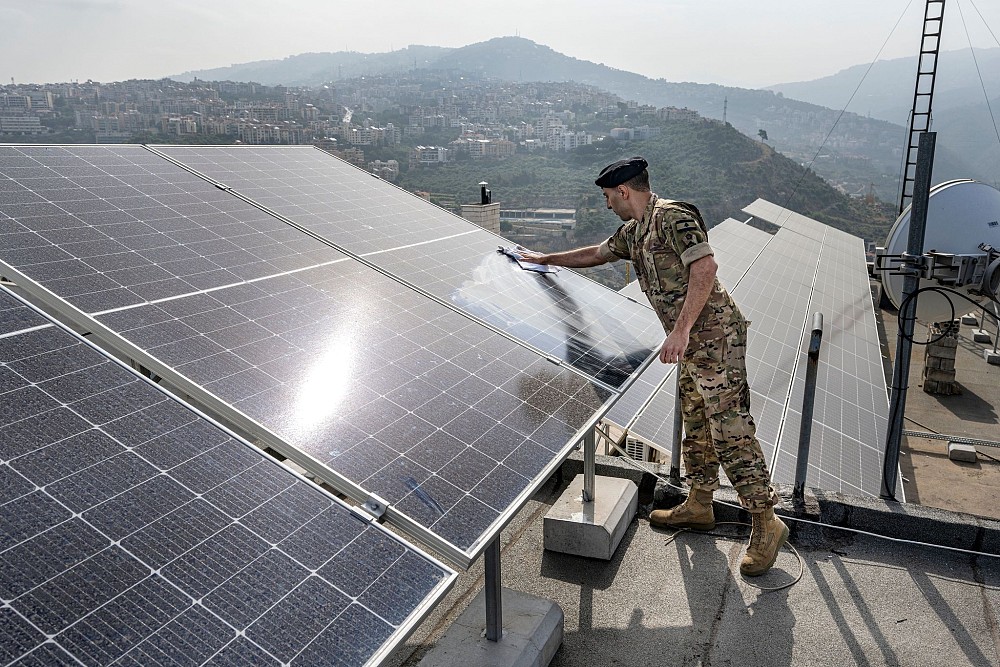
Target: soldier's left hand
x,y
673,348
531,256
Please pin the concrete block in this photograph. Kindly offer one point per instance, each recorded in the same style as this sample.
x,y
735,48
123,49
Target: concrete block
x,y
958,451
591,529
970,320
936,352
532,633
936,375
941,364
942,387
982,336
945,343
991,357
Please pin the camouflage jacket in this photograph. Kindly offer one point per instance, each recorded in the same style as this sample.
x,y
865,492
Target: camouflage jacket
x,y
669,237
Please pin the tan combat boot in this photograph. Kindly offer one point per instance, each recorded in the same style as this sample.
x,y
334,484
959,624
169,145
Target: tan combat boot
x,y
766,537
695,513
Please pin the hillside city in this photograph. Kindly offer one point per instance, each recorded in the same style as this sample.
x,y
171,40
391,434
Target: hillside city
x,y
437,118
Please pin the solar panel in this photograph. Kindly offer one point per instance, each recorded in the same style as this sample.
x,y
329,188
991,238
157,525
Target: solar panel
x,y
565,315
133,530
637,400
114,226
338,201
765,210
851,409
796,222
737,245
774,297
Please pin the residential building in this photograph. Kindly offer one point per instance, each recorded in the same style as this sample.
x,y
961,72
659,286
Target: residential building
x,y
568,141
389,170
20,125
428,155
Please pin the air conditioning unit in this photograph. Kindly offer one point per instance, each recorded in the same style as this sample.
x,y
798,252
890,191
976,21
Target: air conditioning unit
x,y
637,449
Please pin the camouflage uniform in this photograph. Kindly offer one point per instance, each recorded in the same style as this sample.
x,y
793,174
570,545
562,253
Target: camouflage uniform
x,y
715,397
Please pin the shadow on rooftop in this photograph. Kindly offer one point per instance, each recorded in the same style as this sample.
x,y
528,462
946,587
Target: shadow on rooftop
x,y
589,573
969,406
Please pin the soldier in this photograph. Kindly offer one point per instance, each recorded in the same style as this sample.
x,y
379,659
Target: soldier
x,y
667,242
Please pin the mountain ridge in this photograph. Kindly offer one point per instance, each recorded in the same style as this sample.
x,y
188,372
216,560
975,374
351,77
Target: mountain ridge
x,y
870,148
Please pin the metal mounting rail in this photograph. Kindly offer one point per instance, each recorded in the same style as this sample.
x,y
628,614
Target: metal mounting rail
x,y
951,438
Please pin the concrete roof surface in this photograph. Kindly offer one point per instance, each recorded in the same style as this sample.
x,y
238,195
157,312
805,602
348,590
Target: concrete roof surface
x,y
678,599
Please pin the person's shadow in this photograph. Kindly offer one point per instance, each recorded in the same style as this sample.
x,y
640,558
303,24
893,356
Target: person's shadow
x,y
758,633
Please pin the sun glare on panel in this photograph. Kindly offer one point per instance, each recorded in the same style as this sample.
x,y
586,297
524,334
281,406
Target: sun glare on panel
x,y
324,387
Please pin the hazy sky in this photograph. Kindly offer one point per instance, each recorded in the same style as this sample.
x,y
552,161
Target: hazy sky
x,y
731,42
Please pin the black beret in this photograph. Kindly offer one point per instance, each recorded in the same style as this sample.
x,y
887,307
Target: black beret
x,y
618,172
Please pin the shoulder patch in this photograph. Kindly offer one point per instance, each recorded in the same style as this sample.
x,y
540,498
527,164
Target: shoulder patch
x,y
686,225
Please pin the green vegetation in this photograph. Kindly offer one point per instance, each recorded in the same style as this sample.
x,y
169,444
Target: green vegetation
x,y
185,139
705,162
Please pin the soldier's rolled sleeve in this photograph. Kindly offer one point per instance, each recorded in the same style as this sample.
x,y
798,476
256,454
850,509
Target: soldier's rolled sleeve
x,y
690,238
616,247
696,252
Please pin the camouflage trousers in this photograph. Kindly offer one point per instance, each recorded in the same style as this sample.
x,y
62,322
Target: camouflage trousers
x,y
715,401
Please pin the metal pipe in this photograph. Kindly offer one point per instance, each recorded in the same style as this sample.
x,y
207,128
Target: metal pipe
x,y
675,451
589,465
494,604
996,320
808,399
907,315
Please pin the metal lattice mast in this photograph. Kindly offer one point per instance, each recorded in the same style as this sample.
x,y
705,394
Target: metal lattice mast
x,y
920,114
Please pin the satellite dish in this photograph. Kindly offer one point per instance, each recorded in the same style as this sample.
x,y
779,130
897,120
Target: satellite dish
x,y
961,216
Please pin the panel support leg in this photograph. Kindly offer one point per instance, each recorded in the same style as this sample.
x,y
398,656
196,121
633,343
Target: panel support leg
x,y
675,449
589,465
494,605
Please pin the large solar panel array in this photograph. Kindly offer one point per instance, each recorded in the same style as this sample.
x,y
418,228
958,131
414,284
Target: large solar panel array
x,y
568,316
134,531
851,409
370,384
779,281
